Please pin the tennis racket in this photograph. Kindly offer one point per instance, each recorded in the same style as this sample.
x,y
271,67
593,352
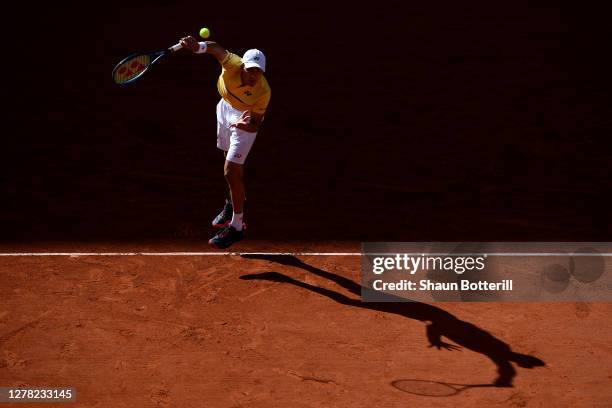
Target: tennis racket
x,y
134,66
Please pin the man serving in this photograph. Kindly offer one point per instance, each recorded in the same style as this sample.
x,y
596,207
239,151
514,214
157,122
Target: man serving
x,y
245,95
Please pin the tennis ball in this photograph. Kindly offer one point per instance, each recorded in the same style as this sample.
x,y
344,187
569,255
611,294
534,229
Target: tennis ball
x,y
204,32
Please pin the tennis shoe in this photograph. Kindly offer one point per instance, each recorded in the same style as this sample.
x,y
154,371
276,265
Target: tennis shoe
x,y
224,218
226,237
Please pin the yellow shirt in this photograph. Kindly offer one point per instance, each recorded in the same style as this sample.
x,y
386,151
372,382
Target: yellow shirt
x,y
242,97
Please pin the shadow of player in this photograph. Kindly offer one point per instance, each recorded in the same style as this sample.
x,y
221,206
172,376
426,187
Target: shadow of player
x,y
439,322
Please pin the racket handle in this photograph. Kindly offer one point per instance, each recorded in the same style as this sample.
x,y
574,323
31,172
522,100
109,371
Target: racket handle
x,y
175,47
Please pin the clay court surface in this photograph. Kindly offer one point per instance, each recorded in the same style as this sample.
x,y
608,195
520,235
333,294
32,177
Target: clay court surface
x,y
193,331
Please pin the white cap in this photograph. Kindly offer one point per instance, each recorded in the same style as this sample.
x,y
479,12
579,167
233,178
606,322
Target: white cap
x,y
254,58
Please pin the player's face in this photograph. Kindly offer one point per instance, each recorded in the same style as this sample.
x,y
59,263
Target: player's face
x,y
252,75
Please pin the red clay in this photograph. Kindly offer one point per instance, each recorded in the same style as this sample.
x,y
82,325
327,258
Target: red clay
x,y
189,332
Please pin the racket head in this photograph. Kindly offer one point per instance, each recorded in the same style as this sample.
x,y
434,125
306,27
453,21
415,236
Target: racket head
x,y
134,66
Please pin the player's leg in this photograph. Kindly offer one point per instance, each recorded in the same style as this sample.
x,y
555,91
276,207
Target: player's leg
x,y
223,143
240,146
233,173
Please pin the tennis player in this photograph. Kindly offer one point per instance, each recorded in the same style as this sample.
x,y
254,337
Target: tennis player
x,y
245,95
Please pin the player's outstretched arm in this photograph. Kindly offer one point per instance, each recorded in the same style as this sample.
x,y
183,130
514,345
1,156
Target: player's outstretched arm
x,y
208,47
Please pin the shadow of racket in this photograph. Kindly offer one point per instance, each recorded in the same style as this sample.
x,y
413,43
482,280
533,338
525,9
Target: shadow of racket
x,y
428,388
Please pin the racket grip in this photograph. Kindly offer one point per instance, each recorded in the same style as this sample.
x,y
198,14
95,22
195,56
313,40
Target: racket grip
x,y
175,47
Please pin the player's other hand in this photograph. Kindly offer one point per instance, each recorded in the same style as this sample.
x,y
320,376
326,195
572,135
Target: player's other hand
x,y
245,123
244,119
190,43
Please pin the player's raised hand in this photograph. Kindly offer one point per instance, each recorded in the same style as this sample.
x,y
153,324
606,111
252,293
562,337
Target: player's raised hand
x,y
190,43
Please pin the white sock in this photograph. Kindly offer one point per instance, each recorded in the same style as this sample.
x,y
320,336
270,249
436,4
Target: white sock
x,y
237,221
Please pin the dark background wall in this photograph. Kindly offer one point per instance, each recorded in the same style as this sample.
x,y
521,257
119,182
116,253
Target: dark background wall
x,y
428,120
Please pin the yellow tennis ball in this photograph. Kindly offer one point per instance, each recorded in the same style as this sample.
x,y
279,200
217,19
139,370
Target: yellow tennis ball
x,y
204,32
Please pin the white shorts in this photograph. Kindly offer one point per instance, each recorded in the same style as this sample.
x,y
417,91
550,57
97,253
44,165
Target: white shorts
x,y
236,142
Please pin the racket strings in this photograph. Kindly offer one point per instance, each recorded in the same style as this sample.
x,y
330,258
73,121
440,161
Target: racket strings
x,y
131,68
